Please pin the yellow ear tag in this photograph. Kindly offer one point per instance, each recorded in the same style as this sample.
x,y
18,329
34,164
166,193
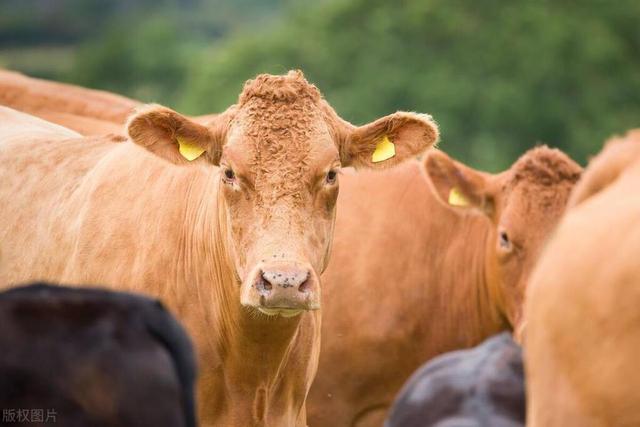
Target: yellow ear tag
x,y
384,150
456,198
189,151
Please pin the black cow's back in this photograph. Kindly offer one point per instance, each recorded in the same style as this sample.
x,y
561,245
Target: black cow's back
x,y
480,387
89,357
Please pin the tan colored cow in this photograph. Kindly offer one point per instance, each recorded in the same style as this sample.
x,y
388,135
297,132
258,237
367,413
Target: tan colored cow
x,y
583,308
428,257
87,111
233,241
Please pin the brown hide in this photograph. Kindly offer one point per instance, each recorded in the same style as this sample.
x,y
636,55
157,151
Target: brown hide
x,y
411,277
582,339
206,236
87,111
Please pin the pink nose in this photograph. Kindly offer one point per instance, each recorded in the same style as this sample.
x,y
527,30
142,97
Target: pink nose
x,y
286,286
286,278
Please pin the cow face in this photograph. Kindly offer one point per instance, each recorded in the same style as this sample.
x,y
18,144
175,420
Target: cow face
x,y
279,151
523,204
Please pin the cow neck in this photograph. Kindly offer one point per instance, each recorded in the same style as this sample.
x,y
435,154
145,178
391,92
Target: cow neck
x,y
463,265
254,350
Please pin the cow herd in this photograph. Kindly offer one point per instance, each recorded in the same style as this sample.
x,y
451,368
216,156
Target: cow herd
x,y
315,265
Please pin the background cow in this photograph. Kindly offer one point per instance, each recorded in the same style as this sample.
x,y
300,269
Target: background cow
x,y
233,242
480,387
87,111
88,357
583,323
428,258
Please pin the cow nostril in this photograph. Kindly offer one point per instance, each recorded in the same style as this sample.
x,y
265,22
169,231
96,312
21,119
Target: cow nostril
x,y
263,285
304,286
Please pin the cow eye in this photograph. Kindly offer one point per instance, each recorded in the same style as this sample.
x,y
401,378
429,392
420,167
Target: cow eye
x,y
229,175
331,176
504,241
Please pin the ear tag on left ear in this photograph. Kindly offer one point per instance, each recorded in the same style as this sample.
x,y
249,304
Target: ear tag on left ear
x,y
385,150
456,198
188,150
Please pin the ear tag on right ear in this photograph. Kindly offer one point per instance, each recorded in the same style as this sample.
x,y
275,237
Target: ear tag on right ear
x,y
456,198
384,150
188,150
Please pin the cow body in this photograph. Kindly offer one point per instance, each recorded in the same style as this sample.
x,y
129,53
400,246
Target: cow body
x,y
480,387
86,111
439,275
232,238
90,215
91,357
404,290
582,340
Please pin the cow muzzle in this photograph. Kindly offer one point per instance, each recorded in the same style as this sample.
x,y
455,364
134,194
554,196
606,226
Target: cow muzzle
x,y
282,289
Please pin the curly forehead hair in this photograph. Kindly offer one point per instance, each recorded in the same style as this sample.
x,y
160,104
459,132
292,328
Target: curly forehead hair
x,y
546,166
285,88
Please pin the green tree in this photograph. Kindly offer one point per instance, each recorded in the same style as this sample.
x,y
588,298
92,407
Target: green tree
x,y
147,61
499,75
140,48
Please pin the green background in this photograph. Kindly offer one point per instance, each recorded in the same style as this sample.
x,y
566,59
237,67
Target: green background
x,y
500,76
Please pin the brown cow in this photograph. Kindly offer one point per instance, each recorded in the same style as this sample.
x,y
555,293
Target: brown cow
x,y
234,251
87,111
583,321
444,277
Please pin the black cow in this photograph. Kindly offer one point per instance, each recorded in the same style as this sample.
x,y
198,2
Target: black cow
x,y
480,387
90,357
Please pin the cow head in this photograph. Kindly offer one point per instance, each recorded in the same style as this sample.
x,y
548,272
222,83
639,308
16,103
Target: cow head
x,y
523,204
279,151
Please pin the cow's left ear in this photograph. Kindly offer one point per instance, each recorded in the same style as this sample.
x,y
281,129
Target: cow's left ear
x,y
388,140
458,185
176,138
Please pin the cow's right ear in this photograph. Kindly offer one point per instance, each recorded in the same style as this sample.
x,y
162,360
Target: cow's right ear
x,y
458,185
174,137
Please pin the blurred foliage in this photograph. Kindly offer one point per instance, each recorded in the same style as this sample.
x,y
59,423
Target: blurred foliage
x,y
498,75
148,54
140,48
